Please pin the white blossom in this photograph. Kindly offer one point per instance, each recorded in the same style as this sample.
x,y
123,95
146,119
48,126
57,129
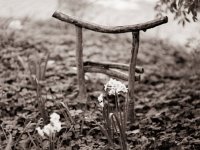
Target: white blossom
x,y
54,117
40,131
55,121
100,99
51,128
56,126
48,129
115,87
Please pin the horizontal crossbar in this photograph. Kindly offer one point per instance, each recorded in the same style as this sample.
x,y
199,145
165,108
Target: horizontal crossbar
x,y
112,73
109,29
113,65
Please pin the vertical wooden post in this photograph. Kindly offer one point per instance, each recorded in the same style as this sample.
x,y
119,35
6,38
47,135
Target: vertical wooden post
x,y
131,78
79,64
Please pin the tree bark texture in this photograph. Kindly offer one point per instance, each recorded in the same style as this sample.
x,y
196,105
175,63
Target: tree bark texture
x,y
79,64
108,29
131,80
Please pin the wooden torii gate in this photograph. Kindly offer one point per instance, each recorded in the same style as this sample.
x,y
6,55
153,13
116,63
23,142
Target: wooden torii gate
x,y
105,68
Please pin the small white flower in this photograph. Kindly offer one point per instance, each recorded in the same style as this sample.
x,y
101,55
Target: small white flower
x,y
100,99
51,128
48,129
56,126
55,121
40,131
54,117
115,87
101,104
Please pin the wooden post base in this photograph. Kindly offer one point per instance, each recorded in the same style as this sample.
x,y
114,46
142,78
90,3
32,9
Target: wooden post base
x,y
131,79
79,63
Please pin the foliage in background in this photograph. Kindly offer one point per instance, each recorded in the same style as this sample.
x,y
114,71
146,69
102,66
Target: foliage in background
x,y
194,49
75,7
183,10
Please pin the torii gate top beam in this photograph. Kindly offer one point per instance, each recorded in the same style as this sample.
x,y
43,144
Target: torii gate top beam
x,y
110,29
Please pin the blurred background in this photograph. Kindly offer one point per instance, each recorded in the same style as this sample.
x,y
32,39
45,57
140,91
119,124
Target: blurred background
x,y
105,12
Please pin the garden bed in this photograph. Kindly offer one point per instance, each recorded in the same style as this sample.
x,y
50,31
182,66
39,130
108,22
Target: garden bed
x,y
167,98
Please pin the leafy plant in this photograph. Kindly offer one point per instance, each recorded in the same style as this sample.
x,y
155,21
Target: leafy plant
x,y
50,130
194,48
114,119
182,9
37,68
74,7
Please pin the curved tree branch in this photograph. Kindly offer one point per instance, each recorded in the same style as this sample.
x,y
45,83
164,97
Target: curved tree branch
x,y
107,29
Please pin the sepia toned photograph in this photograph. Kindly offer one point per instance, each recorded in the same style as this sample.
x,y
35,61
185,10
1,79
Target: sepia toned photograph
x,y
99,75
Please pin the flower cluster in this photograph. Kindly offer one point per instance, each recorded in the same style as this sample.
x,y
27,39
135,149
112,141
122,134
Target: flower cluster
x,y
112,87
53,127
115,87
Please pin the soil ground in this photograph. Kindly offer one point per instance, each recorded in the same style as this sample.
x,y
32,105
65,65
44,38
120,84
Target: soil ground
x,y
168,96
